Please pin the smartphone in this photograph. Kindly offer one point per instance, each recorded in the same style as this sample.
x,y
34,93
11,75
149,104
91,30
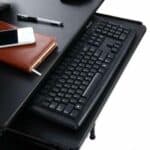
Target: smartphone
x,y
16,37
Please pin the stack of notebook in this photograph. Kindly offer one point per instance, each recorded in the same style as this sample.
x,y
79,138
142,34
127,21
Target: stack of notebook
x,y
27,57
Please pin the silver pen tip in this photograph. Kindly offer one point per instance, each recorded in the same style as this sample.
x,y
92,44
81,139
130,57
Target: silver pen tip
x,y
36,72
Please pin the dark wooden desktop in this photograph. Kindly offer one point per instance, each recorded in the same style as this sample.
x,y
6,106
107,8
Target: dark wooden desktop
x,y
20,129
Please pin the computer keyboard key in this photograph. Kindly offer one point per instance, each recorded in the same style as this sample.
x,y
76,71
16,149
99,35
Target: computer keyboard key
x,y
74,113
105,65
59,85
65,86
74,87
56,89
52,94
110,34
101,70
70,81
68,108
86,82
53,105
91,62
76,96
90,74
79,91
88,78
71,91
120,29
123,36
61,94
114,50
117,46
118,32
107,60
57,99
73,100
78,106
126,31
95,66
60,107
77,82
45,104
68,96
82,100
93,70
110,55
98,52
65,100
103,55
92,49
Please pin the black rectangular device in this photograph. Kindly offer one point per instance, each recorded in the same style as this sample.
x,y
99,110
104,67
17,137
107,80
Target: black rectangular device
x,y
16,37
8,37
73,88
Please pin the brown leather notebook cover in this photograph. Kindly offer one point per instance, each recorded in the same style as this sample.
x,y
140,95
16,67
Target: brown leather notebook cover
x,y
27,57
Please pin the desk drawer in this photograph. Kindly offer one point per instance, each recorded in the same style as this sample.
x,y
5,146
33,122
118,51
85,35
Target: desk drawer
x,y
20,141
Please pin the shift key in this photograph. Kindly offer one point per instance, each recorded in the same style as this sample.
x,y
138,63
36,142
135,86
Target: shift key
x,y
90,89
68,108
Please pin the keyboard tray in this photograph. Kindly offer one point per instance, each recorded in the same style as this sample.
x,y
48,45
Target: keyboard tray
x,y
32,130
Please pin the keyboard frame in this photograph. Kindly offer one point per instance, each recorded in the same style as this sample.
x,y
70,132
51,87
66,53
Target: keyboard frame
x,y
75,124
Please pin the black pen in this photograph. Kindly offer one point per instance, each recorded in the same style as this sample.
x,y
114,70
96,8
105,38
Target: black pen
x,y
24,17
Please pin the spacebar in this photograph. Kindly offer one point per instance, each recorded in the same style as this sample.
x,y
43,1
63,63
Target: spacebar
x,y
90,89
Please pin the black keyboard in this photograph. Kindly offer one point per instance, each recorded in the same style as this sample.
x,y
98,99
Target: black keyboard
x,y
71,90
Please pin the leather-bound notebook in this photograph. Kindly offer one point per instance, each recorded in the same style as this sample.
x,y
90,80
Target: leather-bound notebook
x,y
28,57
